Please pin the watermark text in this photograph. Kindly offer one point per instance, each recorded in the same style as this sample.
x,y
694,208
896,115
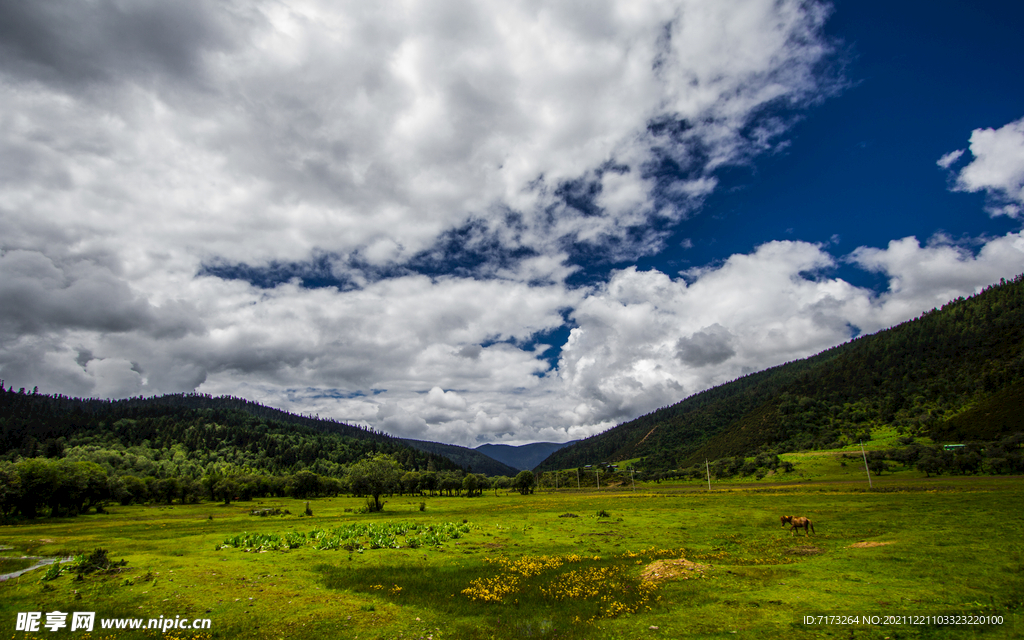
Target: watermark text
x,y
86,621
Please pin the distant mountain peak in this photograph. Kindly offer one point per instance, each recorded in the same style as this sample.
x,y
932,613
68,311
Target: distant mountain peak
x,y
525,456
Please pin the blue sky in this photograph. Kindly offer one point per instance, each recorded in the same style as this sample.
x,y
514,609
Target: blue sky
x,y
862,164
474,223
860,167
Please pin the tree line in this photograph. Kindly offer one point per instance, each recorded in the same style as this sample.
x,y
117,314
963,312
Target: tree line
x,y
62,487
1003,456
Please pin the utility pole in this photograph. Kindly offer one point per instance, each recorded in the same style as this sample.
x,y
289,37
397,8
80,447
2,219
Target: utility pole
x,y
597,472
577,478
870,486
708,469
631,479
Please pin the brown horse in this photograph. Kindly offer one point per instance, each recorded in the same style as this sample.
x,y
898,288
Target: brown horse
x,y
798,523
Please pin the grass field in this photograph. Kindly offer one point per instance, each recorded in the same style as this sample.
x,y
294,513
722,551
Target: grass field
x,y
913,546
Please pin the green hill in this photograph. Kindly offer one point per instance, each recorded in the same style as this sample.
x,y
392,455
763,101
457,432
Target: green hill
x,y
210,429
955,373
190,433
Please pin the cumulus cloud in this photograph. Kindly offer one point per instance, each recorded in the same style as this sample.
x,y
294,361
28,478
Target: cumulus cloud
x,y
373,212
645,340
997,167
710,345
105,41
40,295
449,360
256,132
925,277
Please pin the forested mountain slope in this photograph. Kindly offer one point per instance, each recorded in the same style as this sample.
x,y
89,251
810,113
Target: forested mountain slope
x,y
193,430
953,373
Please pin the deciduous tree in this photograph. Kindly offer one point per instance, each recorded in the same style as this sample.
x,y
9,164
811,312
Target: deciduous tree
x,y
374,477
524,482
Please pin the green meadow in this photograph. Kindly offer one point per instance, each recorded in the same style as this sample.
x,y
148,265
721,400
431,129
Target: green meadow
x,y
663,561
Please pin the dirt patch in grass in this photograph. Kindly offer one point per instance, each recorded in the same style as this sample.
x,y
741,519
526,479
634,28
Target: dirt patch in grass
x,y
678,569
862,545
804,551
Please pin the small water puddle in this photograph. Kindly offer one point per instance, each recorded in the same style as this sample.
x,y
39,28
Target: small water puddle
x,y
42,562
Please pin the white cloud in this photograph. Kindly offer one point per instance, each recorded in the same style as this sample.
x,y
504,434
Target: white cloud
x,y
142,145
645,340
922,278
292,127
437,359
445,399
997,167
948,159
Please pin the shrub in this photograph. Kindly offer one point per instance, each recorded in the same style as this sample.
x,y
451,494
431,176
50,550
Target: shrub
x,y
98,562
52,572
